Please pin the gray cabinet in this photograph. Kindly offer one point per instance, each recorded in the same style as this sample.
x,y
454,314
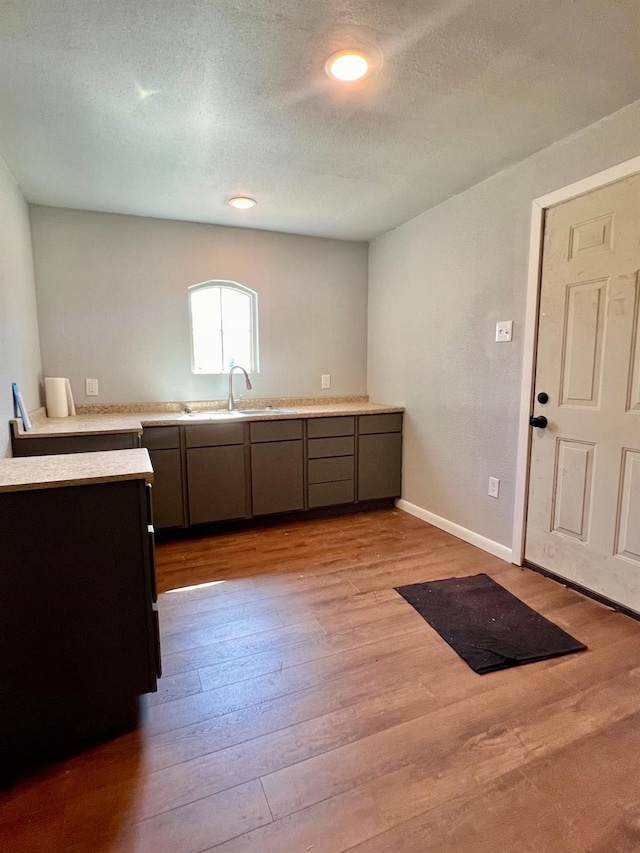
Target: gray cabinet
x,y
163,444
277,467
213,472
379,456
330,461
216,478
167,488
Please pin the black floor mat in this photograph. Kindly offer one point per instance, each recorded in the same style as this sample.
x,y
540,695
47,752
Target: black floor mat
x,y
485,624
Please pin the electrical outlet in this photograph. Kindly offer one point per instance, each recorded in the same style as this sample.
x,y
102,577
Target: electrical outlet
x,y
504,331
91,387
494,487
326,380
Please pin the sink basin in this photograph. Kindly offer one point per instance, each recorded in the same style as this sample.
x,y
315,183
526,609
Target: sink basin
x,y
268,411
224,414
219,414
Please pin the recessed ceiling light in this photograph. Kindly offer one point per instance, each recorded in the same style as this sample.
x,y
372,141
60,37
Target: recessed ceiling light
x,y
242,202
347,65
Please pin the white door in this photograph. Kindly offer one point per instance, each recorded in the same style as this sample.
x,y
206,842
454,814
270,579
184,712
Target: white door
x,y
584,494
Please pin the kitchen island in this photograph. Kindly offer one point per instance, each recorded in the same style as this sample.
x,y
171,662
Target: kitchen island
x,y
78,625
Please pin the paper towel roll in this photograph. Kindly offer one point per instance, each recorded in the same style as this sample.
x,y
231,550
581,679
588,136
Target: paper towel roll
x,y
58,397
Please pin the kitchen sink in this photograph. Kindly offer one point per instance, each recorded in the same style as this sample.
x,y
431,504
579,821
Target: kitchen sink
x,y
224,414
268,411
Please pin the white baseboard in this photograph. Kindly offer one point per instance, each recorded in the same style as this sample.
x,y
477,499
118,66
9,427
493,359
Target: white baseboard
x,y
469,536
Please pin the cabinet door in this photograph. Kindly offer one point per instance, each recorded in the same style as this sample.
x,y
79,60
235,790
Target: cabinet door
x,y
379,466
277,477
166,492
216,483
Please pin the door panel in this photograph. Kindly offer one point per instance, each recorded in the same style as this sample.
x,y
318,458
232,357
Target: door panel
x,y
633,401
583,519
589,237
583,340
628,522
572,488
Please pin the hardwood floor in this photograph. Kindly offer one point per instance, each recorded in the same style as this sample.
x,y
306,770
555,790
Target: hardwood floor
x,y
306,708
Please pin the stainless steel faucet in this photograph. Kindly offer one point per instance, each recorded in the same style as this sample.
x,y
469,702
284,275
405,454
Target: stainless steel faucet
x,y
231,404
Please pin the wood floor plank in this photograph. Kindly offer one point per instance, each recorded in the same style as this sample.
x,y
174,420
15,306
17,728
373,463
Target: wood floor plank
x,y
172,687
386,628
252,691
518,739
190,828
306,708
217,733
605,662
265,642
36,832
596,784
509,815
436,740
332,826
300,604
212,773
191,639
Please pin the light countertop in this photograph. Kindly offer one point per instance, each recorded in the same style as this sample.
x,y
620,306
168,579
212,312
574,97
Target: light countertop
x,y
135,421
74,469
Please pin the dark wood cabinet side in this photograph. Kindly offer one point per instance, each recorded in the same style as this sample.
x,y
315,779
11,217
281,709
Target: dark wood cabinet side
x,y
43,446
78,630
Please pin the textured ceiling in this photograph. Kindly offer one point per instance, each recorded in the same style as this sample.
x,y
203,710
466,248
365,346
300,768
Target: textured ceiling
x,y
168,107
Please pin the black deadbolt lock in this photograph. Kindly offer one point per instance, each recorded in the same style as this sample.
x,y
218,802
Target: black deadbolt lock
x,y
543,397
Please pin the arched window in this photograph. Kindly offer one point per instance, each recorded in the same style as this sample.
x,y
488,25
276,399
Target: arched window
x,y
224,327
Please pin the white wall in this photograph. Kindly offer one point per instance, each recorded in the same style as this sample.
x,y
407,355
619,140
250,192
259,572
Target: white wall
x,y
112,302
19,345
437,286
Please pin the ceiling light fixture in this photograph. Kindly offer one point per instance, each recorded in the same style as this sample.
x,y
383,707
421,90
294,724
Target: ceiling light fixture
x,y
242,202
347,65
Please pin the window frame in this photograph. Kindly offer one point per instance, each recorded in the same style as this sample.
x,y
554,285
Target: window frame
x,y
224,284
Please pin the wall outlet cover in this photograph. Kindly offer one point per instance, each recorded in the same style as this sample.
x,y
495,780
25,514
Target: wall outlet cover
x,y
494,487
326,380
91,387
504,331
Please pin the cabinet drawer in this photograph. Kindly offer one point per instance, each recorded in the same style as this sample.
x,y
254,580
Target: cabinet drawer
x,y
161,438
319,447
331,469
369,424
321,427
330,494
213,435
275,430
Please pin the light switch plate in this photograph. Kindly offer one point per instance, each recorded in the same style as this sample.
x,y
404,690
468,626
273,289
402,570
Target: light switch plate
x,y
326,380
91,387
504,331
